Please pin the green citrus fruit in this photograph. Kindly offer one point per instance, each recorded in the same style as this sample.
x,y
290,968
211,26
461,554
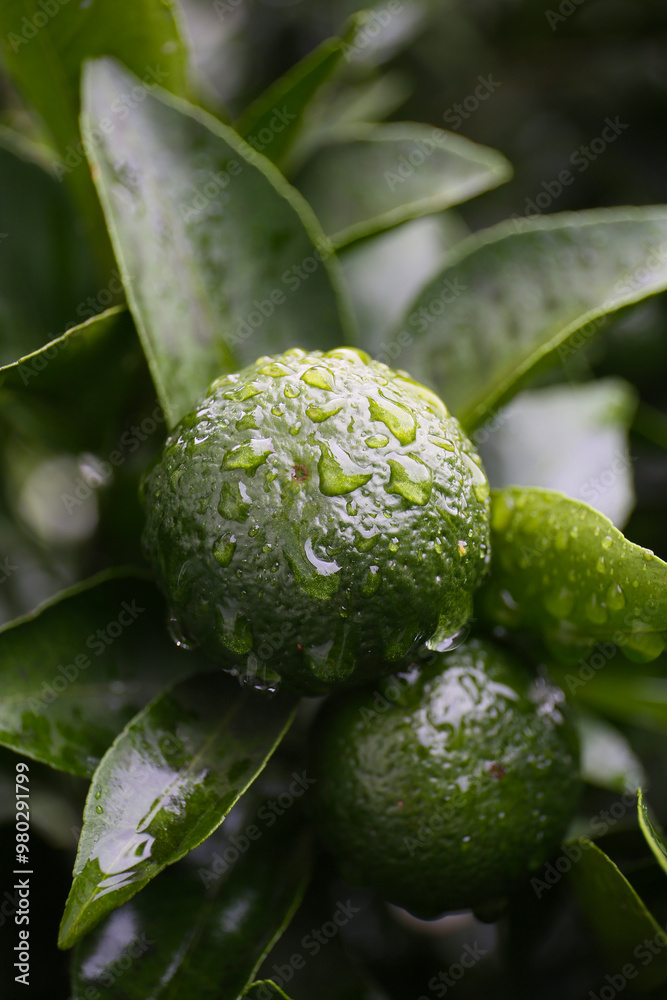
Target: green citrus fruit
x,y
317,517
441,788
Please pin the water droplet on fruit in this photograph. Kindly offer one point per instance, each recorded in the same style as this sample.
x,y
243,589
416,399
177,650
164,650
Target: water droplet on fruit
x,y
291,390
249,455
596,610
411,479
478,477
443,640
559,602
246,423
245,391
325,567
377,441
372,582
178,634
320,413
615,597
263,680
607,542
231,505
274,370
224,549
338,473
397,418
319,378
364,543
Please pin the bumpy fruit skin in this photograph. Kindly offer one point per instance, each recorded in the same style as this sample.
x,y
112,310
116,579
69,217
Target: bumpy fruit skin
x,y
316,518
442,788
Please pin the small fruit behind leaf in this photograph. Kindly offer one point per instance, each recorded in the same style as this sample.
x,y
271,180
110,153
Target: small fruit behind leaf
x,y
315,518
441,788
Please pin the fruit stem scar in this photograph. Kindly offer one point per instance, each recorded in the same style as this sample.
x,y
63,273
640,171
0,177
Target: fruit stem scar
x,y
300,472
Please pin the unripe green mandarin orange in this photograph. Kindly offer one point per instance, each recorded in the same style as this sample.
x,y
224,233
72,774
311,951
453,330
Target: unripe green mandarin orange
x,y
442,787
315,519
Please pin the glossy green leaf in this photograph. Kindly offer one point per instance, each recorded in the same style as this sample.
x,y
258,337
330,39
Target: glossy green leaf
x,y
618,917
345,103
617,691
588,455
166,784
607,759
268,983
45,44
529,292
222,260
195,933
377,176
655,838
562,570
272,123
47,272
98,363
76,670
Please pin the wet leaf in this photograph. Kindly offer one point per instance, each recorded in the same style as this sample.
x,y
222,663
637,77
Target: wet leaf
x,y
655,838
525,293
622,924
374,177
76,670
607,759
44,48
166,784
210,238
98,363
197,933
272,123
616,689
562,570
47,272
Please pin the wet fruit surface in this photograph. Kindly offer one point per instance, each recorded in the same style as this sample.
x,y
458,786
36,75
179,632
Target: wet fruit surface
x,y
315,519
442,788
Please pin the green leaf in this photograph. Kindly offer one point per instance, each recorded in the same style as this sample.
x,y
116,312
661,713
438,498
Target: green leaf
x,y
45,44
266,982
618,916
97,363
336,107
76,670
630,698
211,241
47,272
607,759
655,838
195,933
588,455
166,784
562,570
525,293
273,122
377,176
